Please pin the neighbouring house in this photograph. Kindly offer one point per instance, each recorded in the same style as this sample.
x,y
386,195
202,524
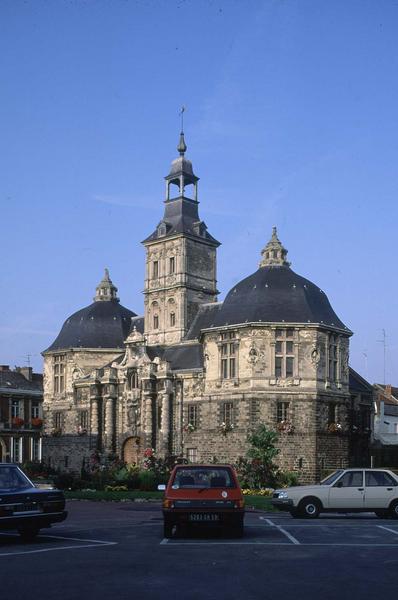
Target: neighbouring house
x,y
21,417
385,435
192,375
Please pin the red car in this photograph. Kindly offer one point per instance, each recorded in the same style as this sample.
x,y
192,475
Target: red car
x,y
203,495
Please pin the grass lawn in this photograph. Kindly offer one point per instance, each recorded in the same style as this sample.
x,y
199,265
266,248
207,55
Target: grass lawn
x,y
259,502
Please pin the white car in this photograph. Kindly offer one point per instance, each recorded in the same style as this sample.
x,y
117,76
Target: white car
x,y
346,490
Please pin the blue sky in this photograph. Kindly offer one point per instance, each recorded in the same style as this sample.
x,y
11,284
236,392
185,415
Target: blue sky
x,y
291,121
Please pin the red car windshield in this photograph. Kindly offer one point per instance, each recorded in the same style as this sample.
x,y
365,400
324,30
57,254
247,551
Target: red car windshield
x,y
203,477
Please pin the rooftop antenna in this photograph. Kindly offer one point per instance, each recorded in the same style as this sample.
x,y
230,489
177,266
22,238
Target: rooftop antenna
x,y
365,355
28,356
384,342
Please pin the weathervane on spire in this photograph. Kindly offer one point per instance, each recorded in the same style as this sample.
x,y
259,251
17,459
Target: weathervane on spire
x,y
181,113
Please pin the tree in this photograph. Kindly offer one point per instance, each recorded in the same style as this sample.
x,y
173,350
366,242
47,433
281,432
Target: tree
x,y
261,471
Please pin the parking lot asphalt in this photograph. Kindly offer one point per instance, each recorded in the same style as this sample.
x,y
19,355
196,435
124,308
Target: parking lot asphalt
x,y
117,550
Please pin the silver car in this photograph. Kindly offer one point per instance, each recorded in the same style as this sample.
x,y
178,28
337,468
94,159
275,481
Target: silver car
x,y
346,490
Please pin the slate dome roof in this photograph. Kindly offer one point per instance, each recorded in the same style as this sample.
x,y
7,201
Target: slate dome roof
x,y
103,324
276,294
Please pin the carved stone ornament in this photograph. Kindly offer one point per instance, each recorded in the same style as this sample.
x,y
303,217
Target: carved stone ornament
x,y
77,373
315,355
253,355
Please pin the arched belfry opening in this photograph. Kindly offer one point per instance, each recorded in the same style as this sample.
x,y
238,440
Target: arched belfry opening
x,y
181,175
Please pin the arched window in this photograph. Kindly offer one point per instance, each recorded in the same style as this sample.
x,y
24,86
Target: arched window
x,y
134,380
172,319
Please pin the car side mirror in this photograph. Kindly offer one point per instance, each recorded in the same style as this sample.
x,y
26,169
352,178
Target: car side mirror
x,y
161,487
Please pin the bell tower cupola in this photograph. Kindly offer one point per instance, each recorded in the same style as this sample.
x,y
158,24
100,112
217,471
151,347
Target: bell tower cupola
x,y
181,174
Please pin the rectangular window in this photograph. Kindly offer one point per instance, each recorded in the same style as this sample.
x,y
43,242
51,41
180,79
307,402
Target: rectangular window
x,y
83,419
156,322
58,420
171,265
192,455
193,415
15,409
278,366
155,269
289,366
36,450
35,412
59,374
228,358
332,413
282,411
227,413
284,353
333,357
16,450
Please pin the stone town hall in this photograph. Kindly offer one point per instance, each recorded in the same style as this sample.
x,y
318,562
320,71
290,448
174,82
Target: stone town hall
x,y
193,376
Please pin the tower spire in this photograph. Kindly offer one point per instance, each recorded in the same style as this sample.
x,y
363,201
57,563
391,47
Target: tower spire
x,y
274,254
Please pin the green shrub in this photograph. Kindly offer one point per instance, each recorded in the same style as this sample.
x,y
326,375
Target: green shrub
x,y
147,480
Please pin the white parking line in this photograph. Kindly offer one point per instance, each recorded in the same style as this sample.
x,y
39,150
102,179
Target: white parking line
x,y
388,529
286,544
286,533
93,544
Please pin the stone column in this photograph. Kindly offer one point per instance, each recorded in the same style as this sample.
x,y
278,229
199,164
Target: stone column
x,y
109,427
94,416
148,420
165,423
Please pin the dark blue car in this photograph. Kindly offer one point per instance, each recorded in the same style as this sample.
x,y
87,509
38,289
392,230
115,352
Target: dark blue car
x,y
25,507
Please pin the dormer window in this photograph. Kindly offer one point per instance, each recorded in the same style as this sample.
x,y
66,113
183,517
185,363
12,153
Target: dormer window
x,y
162,229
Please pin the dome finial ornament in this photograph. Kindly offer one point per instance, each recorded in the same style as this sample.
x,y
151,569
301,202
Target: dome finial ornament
x,y
274,254
105,290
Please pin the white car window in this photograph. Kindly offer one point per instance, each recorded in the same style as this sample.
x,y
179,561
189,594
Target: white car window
x,y
379,479
350,479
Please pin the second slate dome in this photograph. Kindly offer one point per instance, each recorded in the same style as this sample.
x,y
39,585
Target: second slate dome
x,y
276,294
103,324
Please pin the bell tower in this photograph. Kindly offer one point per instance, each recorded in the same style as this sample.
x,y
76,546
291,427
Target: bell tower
x,y
180,259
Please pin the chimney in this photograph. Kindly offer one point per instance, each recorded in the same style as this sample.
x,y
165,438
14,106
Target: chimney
x,y
25,371
4,368
388,390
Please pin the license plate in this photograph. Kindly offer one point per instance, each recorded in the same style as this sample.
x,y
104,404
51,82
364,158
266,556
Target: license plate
x,y
23,509
201,517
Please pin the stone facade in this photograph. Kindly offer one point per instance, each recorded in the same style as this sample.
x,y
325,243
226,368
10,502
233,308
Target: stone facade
x,y
197,375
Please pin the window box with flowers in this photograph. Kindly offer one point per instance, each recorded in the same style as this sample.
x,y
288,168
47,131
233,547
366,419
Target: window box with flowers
x,y
36,422
81,430
17,422
225,428
334,428
285,427
189,428
56,432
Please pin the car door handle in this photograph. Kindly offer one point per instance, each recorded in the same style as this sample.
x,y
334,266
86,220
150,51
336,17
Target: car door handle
x,y
389,489
360,489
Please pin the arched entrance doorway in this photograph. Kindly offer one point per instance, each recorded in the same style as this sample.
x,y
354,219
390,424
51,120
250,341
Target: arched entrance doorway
x,y
132,450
